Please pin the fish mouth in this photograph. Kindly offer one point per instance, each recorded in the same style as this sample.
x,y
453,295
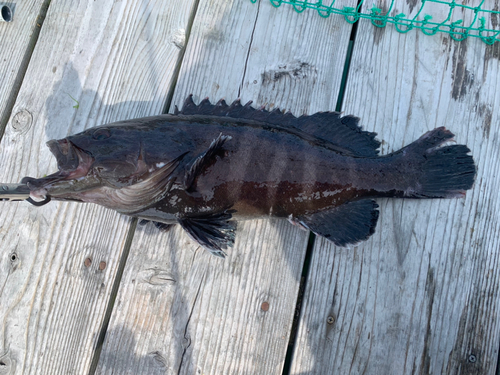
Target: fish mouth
x,y
73,164
66,154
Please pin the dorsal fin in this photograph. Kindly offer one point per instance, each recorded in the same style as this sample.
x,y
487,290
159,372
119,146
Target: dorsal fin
x,y
342,131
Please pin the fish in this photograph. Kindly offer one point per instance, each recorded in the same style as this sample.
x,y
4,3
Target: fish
x,y
208,166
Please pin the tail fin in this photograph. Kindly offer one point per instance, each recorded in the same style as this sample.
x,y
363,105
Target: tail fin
x,y
446,172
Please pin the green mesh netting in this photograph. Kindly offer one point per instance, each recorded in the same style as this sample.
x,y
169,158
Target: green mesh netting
x,y
481,20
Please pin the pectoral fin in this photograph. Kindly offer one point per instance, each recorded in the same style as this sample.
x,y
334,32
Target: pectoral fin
x,y
215,232
349,223
135,198
204,160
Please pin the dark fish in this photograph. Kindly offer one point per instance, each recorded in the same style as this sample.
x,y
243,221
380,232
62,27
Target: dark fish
x,y
206,165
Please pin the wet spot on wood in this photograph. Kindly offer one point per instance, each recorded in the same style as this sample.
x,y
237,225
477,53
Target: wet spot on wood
x,y
494,16
295,70
430,289
492,52
378,32
463,350
484,110
461,77
297,77
411,4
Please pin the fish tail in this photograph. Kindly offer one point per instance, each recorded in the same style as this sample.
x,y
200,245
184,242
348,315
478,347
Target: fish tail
x,y
442,171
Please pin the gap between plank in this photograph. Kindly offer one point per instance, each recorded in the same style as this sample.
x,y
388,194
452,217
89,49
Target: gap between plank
x,y
23,67
497,371
133,226
312,237
177,69
112,298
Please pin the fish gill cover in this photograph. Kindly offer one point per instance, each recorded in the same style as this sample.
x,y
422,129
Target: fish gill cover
x,y
479,22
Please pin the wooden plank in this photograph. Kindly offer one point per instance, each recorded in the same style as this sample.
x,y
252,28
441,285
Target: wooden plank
x,y
421,296
16,38
59,262
210,319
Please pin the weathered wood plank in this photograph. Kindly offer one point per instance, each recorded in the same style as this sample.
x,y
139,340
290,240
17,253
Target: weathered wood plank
x,y
421,296
116,59
210,320
177,301
15,47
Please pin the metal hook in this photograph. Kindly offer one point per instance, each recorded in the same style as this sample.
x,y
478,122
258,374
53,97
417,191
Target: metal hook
x,y
38,204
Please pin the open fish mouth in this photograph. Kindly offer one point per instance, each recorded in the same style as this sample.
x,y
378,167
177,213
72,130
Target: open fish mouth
x,y
66,154
73,163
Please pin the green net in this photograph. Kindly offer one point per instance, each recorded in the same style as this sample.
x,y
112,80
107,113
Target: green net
x,y
480,22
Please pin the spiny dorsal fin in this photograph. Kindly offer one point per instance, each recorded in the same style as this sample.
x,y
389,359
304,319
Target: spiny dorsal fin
x,y
342,131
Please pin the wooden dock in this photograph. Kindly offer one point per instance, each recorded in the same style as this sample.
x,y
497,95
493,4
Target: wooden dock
x,y
84,290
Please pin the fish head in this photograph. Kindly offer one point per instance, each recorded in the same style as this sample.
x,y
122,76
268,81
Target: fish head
x,y
104,156
115,152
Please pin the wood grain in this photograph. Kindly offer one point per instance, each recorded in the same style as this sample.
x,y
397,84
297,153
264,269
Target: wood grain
x,y
210,320
94,62
182,310
17,42
421,295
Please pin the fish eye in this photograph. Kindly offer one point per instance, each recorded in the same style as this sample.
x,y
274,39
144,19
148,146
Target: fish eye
x,y
101,134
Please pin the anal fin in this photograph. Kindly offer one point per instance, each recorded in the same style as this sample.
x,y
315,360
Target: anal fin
x,y
350,223
215,232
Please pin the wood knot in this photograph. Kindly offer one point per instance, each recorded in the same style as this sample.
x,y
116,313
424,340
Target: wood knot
x,y
22,121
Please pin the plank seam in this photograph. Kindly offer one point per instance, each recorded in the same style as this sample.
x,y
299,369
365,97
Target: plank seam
x,y
23,68
130,236
180,59
298,305
112,298
287,366
249,49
